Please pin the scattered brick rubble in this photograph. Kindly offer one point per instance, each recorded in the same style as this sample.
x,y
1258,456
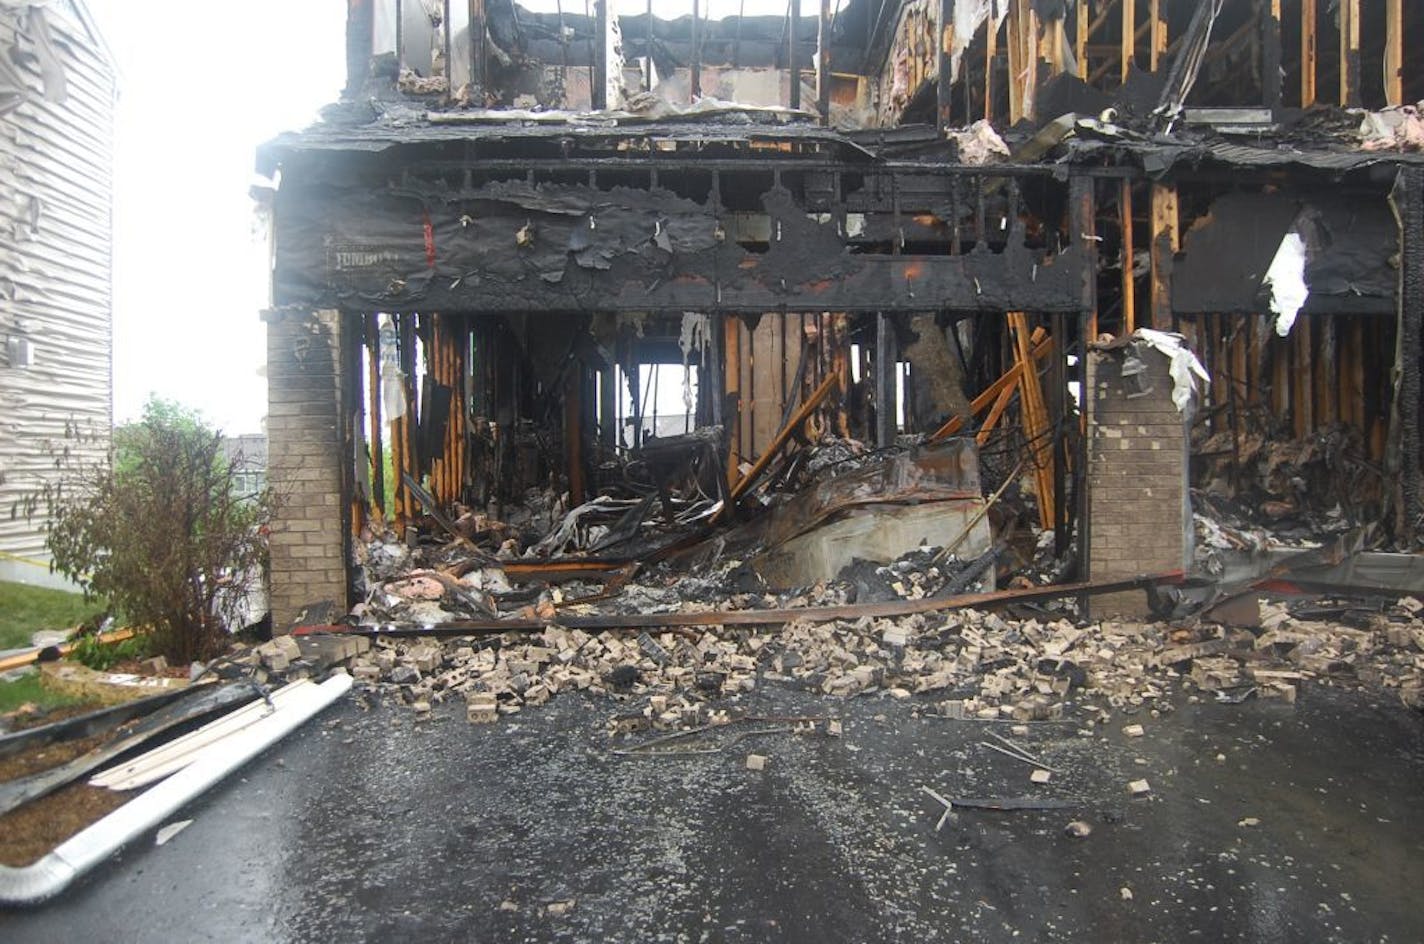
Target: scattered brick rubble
x,y
964,664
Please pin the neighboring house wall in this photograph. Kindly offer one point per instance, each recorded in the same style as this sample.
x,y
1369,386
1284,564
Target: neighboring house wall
x,y
57,93
247,454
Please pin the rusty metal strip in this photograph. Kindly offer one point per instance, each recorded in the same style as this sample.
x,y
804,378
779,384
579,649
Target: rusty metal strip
x,y
28,657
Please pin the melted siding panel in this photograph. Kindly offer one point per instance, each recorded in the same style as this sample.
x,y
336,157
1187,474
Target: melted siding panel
x,y
56,161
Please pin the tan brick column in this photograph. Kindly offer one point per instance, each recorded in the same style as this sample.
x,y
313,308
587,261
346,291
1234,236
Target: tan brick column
x,y
1139,507
305,452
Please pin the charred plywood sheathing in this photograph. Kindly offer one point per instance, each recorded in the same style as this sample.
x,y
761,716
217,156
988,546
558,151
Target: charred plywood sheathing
x,y
57,93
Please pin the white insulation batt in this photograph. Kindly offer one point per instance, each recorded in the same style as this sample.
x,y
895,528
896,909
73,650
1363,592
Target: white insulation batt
x,y
1286,279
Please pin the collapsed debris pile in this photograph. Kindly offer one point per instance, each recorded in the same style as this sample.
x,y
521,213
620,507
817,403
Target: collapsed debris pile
x,y
838,525
967,664
1321,484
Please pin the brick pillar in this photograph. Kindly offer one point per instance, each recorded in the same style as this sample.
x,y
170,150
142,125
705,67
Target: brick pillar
x,y
305,453
1139,508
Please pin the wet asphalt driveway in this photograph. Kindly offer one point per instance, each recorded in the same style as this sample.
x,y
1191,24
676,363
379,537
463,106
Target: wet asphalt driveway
x,y
1267,822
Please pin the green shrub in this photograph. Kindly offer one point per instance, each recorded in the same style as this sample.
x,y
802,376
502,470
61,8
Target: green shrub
x,y
160,529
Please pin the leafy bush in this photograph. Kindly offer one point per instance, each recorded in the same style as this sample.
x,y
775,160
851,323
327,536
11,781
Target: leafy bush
x,y
160,529
102,656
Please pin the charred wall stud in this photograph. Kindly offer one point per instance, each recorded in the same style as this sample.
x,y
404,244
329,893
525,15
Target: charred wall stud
x,y
1408,455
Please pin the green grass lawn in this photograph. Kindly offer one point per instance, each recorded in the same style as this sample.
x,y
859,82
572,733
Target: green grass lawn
x,y
27,690
25,609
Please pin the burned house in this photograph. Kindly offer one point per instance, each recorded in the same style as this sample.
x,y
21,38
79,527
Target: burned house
x,y
1085,279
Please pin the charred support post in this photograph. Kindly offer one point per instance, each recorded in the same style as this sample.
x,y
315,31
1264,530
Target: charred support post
x,y
600,55
1023,59
823,63
1159,35
944,92
732,393
886,366
1081,15
479,68
694,88
356,503
405,502
608,407
991,55
793,28
446,50
373,385
714,379
1271,77
1406,451
1082,220
1394,52
360,26
1308,52
1129,265
1129,36
1058,416
573,435
1349,13
1164,249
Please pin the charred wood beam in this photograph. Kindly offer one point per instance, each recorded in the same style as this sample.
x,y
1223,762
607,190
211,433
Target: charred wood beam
x,y
479,62
373,392
824,76
1158,35
944,98
1406,454
566,247
1394,52
793,25
1165,243
712,382
1129,277
1308,52
695,83
360,26
1349,13
886,368
352,413
309,168
1128,25
740,282
600,55
1082,222
1271,77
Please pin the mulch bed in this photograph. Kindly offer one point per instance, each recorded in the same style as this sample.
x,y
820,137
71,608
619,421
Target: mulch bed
x,y
35,829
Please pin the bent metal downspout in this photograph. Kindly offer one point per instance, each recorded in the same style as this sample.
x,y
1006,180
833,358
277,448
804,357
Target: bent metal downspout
x,y
52,874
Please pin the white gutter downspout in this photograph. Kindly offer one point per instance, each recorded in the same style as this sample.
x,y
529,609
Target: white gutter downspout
x,y
77,855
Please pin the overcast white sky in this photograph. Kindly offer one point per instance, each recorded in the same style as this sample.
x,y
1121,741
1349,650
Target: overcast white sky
x,y
201,84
